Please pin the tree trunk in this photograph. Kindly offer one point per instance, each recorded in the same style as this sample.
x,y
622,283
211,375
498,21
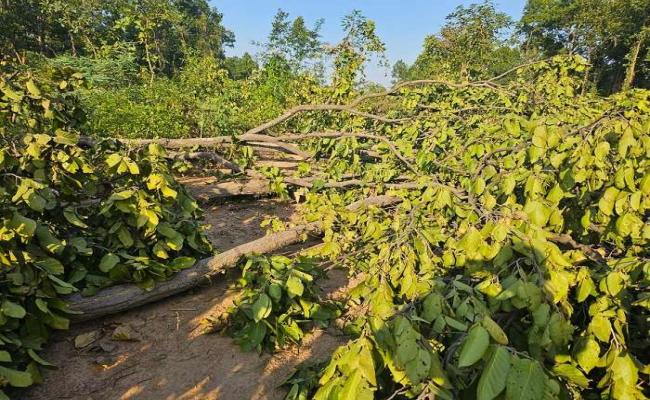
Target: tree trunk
x,y
631,66
148,56
124,297
72,44
585,78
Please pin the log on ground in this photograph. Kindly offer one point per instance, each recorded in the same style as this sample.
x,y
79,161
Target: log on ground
x,y
124,297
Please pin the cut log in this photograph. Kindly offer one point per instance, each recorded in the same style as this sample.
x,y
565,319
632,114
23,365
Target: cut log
x,y
220,191
123,297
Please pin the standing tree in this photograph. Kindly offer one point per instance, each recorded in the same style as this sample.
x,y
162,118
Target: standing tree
x,y
165,32
358,46
400,71
612,35
294,43
471,45
240,67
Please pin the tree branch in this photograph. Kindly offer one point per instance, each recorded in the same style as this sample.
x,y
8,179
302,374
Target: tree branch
x,y
123,297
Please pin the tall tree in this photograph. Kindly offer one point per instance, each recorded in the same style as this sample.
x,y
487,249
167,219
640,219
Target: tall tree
x,y
613,35
472,44
359,45
165,32
293,42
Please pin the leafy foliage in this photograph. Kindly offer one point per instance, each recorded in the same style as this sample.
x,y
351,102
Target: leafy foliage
x,y
612,35
471,45
515,265
294,43
75,219
164,33
201,101
279,299
517,262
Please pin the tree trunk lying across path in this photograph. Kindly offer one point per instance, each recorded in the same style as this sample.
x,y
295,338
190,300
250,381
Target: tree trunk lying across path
x,y
255,140
260,187
124,297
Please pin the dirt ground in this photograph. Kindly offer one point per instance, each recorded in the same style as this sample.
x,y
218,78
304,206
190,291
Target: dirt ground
x,y
169,357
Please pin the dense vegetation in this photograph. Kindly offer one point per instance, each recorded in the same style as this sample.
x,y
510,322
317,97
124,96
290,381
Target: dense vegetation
x,y
517,264
512,262
75,218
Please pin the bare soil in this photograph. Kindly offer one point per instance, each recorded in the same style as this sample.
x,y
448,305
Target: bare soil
x,y
168,355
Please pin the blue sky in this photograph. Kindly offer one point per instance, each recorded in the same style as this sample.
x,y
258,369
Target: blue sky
x,y
402,25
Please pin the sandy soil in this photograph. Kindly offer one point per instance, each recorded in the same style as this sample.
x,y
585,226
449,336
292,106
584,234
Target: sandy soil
x,y
169,357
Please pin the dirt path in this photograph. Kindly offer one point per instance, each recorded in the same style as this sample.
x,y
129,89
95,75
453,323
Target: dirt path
x,y
170,358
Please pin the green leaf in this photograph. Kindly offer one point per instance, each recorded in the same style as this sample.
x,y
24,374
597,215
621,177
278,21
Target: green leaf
x,y
108,261
601,328
612,284
5,356
474,346
626,141
602,150
471,240
22,225
586,288
508,184
608,200
537,212
353,386
51,265
571,374
180,263
32,88
16,378
13,310
366,363
478,187
49,241
294,286
38,359
587,353
624,370
125,237
525,380
72,217
494,330
431,307
36,202
493,378
113,159
262,307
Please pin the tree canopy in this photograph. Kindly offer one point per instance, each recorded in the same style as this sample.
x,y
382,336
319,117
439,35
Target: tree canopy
x,y
613,35
473,44
163,33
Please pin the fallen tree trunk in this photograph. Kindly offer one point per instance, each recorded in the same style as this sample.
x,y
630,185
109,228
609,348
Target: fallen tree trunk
x,y
225,190
269,141
253,140
214,157
124,297
217,192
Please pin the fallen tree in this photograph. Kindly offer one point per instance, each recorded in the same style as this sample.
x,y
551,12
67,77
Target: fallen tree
x,y
123,297
536,215
261,187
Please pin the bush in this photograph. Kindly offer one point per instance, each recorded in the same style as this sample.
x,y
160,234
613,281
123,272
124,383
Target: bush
x,y
75,219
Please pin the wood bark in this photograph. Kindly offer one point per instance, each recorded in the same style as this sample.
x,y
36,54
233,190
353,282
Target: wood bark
x,y
221,191
631,66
